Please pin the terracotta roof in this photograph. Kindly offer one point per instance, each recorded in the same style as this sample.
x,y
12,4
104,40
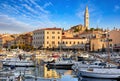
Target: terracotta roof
x,y
52,29
48,29
7,38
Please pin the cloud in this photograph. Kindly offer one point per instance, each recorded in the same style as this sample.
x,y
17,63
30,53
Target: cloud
x,y
116,7
38,7
22,16
11,25
30,9
47,4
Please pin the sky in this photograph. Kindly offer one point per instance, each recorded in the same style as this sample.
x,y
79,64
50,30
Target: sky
x,y
18,16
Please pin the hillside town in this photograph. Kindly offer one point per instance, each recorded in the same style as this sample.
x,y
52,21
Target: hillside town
x,y
79,37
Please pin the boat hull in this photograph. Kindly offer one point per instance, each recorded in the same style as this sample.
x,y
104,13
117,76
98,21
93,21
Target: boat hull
x,y
19,64
99,75
59,66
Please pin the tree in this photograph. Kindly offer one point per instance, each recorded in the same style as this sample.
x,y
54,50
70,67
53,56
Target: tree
x,y
91,29
76,30
86,30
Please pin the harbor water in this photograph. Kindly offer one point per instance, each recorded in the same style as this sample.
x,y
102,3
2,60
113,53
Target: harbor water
x,y
42,73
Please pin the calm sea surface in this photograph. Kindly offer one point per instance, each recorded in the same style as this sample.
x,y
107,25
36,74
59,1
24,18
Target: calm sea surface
x,y
41,73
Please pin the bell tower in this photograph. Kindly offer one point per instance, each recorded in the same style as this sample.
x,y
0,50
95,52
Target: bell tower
x,y
86,18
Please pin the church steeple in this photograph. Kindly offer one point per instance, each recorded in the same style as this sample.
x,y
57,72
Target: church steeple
x,y
86,18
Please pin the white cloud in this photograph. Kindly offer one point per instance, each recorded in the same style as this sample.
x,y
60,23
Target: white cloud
x,y
11,25
30,9
29,16
38,6
47,4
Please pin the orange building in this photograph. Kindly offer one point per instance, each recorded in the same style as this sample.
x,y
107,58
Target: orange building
x,y
115,36
4,39
24,39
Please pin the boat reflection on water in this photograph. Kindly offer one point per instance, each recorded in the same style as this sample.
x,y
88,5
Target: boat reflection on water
x,y
51,73
15,74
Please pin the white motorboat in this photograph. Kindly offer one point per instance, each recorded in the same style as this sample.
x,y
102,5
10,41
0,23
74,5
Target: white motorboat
x,y
18,62
100,73
95,64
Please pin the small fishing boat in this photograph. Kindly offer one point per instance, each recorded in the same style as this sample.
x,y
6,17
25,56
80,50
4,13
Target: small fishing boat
x,y
112,73
18,62
61,65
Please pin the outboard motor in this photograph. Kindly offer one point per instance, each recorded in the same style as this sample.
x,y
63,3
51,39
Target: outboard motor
x,y
118,67
12,67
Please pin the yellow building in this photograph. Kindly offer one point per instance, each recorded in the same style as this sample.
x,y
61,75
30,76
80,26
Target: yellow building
x,y
91,34
97,44
54,38
47,37
73,43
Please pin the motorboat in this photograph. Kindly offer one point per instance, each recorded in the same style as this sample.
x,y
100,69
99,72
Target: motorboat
x,y
61,64
94,64
18,62
107,73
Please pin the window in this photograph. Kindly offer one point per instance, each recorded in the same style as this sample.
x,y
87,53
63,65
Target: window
x,y
70,42
66,42
78,42
47,32
53,37
53,32
53,42
58,32
74,42
81,42
47,42
110,45
47,37
58,37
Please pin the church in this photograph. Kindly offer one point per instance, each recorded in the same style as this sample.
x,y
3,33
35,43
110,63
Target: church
x,y
81,28
78,29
